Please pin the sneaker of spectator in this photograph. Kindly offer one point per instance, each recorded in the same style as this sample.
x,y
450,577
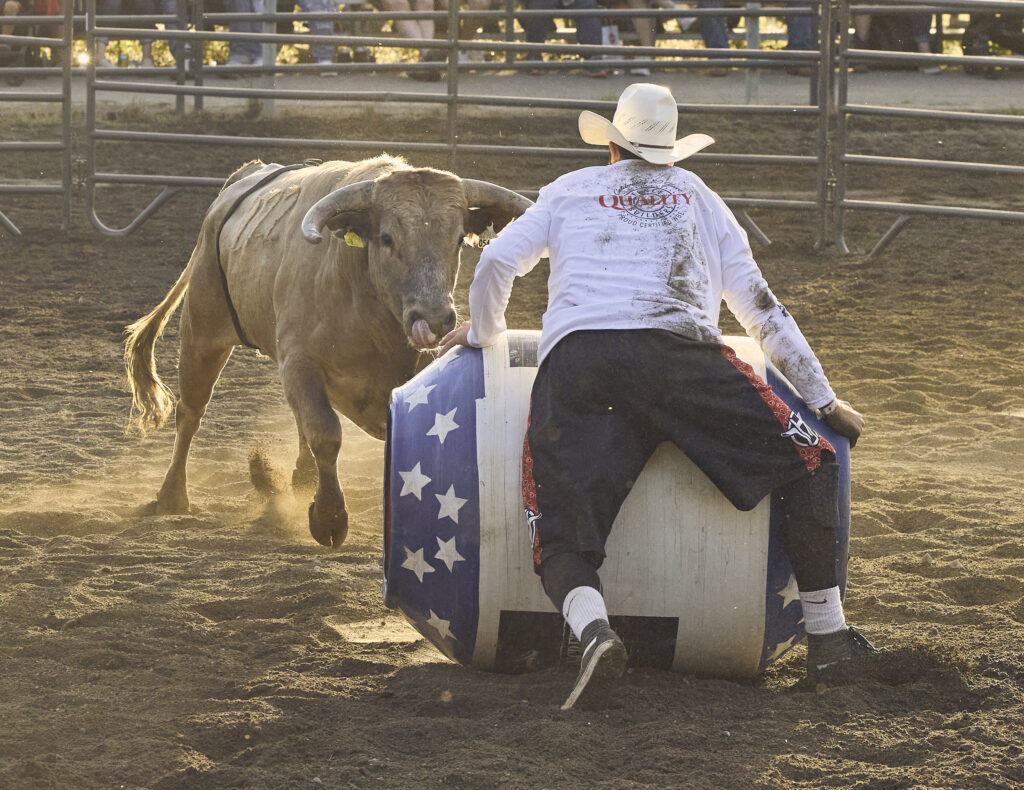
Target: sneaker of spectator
x,y
432,74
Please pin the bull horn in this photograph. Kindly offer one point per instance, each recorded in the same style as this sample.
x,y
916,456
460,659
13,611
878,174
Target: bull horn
x,y
354,197
484,193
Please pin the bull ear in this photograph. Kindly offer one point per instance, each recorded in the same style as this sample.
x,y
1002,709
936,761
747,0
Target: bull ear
x,y
480,219
349,222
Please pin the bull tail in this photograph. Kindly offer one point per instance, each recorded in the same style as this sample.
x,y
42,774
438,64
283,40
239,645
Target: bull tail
x,y
152,400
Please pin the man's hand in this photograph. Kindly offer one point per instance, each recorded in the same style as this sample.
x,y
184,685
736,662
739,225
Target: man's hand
x,y
846,421
457,337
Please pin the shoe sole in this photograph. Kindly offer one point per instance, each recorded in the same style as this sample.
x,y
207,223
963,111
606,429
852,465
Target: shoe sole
x,y
601,677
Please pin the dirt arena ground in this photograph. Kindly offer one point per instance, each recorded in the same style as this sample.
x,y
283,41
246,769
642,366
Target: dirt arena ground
x,y
226,649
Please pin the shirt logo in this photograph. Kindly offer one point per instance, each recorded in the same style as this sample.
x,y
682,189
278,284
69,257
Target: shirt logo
x,y
645,204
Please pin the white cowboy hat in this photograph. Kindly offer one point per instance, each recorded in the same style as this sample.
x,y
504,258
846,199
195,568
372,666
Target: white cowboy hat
x,y
644,123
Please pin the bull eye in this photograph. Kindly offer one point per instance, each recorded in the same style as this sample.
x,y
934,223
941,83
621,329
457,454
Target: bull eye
x,y
386,240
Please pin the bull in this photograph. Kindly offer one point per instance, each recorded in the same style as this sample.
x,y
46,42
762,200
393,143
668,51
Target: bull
x,y
345,318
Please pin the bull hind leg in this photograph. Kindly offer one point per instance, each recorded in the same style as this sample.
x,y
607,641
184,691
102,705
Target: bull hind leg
x,y
320,427
304,475
199,367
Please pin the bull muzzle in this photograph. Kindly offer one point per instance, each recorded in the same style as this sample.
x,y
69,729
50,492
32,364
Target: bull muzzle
x,y
425,329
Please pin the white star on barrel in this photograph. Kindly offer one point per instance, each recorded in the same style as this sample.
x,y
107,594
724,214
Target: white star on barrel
x,y
448,553
450,505
419,395
413,482
445,359
439,625
780,648
790,592
443,425
414,561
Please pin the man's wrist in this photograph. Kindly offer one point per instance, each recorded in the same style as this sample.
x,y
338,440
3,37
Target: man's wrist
x,y
829,408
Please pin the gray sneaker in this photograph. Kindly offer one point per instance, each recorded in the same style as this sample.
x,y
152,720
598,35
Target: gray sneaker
x,y
601,667
837,658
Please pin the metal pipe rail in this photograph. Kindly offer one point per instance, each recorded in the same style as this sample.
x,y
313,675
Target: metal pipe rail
x,y
843,158
63,97
830,107
452,100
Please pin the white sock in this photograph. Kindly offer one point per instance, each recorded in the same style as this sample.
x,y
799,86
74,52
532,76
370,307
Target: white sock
x,y
823,611
581,607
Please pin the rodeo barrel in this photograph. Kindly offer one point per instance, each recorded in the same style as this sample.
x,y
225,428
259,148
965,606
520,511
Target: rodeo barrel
x,y
691,583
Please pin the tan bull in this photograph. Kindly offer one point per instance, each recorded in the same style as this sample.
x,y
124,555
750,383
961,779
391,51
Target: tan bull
x,y
344,323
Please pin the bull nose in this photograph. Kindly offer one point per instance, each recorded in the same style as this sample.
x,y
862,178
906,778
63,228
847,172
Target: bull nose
x,y
441,322
448,322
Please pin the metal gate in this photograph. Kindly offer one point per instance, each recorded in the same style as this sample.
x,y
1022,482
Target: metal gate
x,y
833,163
20,40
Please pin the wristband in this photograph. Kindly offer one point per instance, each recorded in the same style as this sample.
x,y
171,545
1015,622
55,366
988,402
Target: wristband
x,y
829,408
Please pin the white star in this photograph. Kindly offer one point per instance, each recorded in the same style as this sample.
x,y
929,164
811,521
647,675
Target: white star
x,y
446,359
419,396
443,425
414,561
450,505
790,592
779,649
448,553
439,625
413,482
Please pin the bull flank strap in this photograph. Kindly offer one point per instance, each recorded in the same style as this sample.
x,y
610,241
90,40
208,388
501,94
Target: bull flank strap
x,y
223,277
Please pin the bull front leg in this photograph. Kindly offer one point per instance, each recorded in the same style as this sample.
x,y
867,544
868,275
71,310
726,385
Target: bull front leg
x,y
320,427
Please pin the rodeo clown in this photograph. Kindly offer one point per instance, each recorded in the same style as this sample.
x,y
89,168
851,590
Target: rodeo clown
x,y
642,254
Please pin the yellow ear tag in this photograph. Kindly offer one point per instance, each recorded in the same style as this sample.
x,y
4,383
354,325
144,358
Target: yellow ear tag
x,y
352,239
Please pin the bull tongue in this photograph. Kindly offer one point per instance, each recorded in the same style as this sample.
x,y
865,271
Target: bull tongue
x,y
422,337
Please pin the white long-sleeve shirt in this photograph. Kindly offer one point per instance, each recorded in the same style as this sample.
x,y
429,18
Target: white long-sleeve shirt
x,y
639,246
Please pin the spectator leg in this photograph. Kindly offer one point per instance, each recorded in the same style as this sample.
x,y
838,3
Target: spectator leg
x,y
800,30
537,30
644,26
712,28
245,52
105,8
322,53
407,28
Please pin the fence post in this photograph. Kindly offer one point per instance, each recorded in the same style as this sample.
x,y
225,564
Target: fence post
x,y
453,83
65,162
840,142
181,57
90,107
753,42
198,51
269,52
826,101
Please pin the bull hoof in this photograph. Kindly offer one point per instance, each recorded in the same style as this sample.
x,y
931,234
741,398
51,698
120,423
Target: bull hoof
x,y
328,528
171,504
